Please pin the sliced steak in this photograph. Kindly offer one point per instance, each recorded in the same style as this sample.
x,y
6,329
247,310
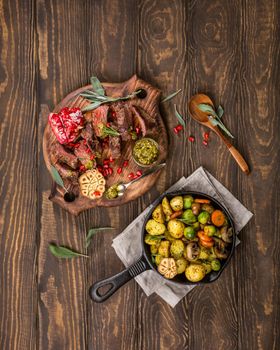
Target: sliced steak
x,y
61,155
65,172
87,132
138,121
85,155
99,118
122,119
115,146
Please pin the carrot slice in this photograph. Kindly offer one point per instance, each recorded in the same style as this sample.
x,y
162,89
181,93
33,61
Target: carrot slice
x,y
218,218
202,201
202,236
176,214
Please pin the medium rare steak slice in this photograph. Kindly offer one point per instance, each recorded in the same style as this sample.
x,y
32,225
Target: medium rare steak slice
x,y
85,155
61,155
122,119
87,132
65,171
115,146
98,119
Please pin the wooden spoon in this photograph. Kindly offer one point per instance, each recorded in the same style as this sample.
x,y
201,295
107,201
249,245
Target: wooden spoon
x,y
202,118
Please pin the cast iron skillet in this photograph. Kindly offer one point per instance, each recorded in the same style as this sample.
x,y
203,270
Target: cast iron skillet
x,y
113,283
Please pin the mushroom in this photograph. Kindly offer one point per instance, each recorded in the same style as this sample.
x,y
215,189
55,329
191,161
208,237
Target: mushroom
x,y
227,234
167,268
220,248
192,251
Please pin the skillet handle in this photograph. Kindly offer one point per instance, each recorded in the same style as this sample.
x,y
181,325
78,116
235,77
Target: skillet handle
x,y
116,281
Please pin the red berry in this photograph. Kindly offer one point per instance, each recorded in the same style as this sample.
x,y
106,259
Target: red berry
x,y
205,143
139,173
88,150
85,142
131,176
125,163
191,138
82,168
175,130
206,136
179,127
119,170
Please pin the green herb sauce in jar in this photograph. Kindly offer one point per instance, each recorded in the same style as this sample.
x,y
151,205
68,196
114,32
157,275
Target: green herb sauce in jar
x,y
145,151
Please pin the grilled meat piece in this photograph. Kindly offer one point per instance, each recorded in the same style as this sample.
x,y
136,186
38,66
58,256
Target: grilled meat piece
x,y
122,120
98,119
138,121
115,146
61,155
85,155
87,132
65,171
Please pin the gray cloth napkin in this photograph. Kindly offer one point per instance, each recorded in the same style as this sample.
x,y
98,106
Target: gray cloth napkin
x,y
128,243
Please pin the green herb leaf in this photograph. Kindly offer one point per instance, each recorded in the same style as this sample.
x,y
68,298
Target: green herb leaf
x,y
207,109
91,106
63,252
57,178
108,131
169,97
157,238
220,111
93,231
96,85
179,117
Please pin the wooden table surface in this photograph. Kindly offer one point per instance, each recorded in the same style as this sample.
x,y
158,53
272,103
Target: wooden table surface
x,y
226,48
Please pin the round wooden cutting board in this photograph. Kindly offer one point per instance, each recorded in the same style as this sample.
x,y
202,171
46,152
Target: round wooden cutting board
x,y
149,107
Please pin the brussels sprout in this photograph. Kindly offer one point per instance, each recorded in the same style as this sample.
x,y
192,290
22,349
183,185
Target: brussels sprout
x,y
204,253
152,240
196,208
207,265
210,230
189,232
155,228
166,207
177,249
163,249
158,214
158,259
176,228
215,264
203,217
188,202
195,272
181,265
176,203
207,207
188,216
196,226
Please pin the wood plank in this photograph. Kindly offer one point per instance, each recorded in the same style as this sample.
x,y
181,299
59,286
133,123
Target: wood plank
x,y
258,87
62,284
18,173
213,57
163,61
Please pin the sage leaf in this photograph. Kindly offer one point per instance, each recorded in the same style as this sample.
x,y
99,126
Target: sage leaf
x,y
207,109
179,117
57,178
220,111
93,231
169,97
91,106
63,252
96,85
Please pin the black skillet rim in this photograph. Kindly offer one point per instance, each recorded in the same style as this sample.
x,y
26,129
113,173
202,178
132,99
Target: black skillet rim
x,y
212,276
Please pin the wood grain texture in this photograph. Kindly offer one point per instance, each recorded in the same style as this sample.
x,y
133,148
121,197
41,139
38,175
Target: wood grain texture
x,y
227,49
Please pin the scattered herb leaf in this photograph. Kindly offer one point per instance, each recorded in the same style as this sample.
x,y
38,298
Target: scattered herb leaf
x,y
214,118
57,178
65,253
93,231
156,238
220,111
96,85
108,131
169,97
179,117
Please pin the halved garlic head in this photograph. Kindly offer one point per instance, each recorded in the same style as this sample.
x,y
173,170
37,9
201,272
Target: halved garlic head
x,y
92,184
167,268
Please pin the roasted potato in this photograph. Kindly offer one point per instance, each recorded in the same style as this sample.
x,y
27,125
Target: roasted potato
x,y
154,248
155,228
207,265
163,249
204,253
176,228
158,214
158,259
152,240
177,203
166,207
177,249
181,265
195,272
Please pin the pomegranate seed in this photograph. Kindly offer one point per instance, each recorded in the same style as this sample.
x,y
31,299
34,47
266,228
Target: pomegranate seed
x,y
82,168
111,159
206,136
110,171
119,170
137,130
85,142
191,138
97,193
76,145
125,163
105,166
114,114
179,127
106,161
131,176
205,143
108,125
88,150
135,177
175,130
139,173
